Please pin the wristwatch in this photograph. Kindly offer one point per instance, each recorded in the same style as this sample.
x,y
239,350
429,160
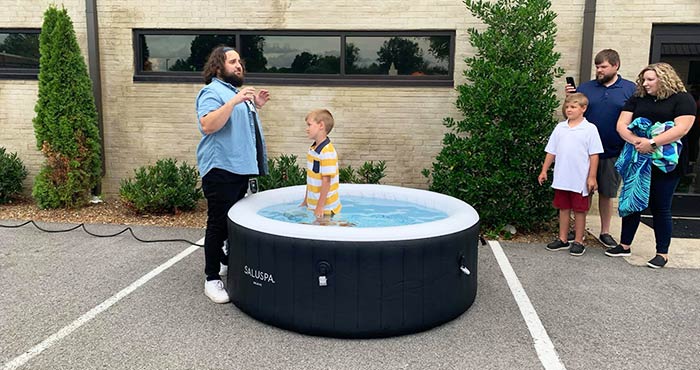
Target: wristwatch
x,y
653,144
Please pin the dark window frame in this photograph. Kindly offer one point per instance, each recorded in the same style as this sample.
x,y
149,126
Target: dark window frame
x,y
671,33
19,73
299,79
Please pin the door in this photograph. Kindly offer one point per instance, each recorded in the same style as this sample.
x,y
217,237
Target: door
x,y
679,46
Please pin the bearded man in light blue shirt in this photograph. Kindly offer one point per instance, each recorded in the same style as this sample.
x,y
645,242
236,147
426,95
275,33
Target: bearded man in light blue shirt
x,y
232,150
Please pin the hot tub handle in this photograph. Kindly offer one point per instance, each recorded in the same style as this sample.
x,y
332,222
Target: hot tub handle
x,y
324,269
462,263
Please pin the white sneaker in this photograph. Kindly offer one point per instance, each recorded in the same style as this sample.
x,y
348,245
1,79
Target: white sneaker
x,y
223,271
215,291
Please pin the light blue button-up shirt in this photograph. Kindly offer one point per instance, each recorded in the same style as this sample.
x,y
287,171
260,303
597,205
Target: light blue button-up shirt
x,y
232,148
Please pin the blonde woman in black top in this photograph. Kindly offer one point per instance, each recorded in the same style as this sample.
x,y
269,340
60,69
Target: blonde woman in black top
x,y
660,97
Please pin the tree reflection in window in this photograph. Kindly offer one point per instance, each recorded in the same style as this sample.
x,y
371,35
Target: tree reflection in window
x,y
184,53
413,56
291,54
311,53
19,50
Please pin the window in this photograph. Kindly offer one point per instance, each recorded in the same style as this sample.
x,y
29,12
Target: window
x,y
302,57
19,53
178,53
397,56
319,55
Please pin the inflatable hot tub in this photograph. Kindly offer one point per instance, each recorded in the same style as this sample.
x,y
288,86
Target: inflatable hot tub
x,y
353,282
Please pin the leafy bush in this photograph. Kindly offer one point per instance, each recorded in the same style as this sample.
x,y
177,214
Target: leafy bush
x,y
491,157
163,188
65,125
283,171
12,173
368,173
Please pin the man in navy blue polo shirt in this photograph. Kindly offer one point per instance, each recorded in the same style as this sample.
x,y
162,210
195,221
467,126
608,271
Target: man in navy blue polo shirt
x,y
606,94
231,150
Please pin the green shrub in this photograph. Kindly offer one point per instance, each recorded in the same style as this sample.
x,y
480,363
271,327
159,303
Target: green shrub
x,y
12,173
491,157
163,188
283,171
368,173
347,175
65,125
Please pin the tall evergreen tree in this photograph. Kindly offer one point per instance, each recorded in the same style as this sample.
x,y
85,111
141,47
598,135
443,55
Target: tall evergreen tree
x,y
491,157
66,122
46,73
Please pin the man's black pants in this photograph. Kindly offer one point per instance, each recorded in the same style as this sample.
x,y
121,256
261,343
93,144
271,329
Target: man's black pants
x,y
222,189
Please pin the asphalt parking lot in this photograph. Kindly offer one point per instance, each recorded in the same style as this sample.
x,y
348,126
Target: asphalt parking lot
x,y
74,301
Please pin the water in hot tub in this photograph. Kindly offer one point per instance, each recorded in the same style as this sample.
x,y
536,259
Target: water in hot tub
x,y
359,212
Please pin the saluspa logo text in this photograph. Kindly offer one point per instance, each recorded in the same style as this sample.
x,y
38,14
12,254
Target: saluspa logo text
x,y
258,276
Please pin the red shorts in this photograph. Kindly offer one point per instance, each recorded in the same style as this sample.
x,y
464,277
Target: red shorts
x,y
564,199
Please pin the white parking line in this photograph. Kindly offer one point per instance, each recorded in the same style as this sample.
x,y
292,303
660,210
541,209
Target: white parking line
x,y
67,330
543,345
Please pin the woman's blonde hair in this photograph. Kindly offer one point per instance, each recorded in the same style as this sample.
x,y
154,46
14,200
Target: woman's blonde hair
x,y
669,82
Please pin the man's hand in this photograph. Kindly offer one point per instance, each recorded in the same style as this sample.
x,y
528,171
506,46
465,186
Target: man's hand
x,y
244,94
569,89
542,177
261,98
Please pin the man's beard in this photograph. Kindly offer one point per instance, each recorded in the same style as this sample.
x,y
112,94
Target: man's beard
x,y
233,79
603,79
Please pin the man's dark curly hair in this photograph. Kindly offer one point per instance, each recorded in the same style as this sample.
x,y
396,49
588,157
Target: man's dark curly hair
x,y
215,63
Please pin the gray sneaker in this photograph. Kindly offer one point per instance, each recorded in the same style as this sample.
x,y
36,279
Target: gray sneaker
x,y
577,249
607,239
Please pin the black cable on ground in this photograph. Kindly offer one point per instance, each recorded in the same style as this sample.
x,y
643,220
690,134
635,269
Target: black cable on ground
x,y
98,235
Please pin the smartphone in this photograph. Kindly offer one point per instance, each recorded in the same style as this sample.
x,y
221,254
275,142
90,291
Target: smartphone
x,y
570,81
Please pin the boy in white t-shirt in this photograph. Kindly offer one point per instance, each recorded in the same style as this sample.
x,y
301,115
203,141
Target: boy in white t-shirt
x,y
574,147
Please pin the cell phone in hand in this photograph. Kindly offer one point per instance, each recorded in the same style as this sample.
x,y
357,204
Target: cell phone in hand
x,y
570,81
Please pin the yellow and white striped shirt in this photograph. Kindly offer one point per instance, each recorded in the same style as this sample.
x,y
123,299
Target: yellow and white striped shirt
x,y
322,160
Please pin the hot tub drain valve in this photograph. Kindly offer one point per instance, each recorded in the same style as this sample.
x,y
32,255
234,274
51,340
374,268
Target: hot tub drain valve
x,y
324,269
462,265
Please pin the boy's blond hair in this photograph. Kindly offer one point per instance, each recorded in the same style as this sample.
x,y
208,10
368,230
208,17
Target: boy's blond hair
x,y
576,98
318,115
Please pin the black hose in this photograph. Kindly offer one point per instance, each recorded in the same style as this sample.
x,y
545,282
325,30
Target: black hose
x,y
98,235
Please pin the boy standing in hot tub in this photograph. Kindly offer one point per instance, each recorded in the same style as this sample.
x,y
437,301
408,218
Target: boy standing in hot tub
x,y
322,175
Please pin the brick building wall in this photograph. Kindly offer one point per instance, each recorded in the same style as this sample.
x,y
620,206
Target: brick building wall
x,y
144,122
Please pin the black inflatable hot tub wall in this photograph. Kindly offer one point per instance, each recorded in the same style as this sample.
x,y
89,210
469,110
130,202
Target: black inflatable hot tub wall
x,y
352,289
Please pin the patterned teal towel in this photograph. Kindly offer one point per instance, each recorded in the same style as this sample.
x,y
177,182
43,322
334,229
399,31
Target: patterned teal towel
x,y
635,167
666,156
